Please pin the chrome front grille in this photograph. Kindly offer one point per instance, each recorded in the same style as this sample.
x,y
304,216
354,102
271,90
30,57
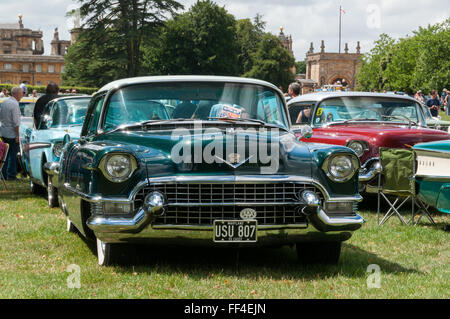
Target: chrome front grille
x,y
280,193
202,203
205,215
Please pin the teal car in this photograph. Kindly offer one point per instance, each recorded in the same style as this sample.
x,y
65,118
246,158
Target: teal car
x,y
433,174
44,143
224,168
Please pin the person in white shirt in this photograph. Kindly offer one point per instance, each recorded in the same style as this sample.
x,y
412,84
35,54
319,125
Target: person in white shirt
x,y
9,130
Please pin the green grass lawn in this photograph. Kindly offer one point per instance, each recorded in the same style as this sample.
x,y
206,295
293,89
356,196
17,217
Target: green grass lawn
x,y
36,250
444,117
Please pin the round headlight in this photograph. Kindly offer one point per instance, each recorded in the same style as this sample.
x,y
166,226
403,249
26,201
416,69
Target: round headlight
x,y
358,147
341,168
118,167
57,149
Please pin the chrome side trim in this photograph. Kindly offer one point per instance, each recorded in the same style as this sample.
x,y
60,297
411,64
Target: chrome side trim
x,y
432,153
33,146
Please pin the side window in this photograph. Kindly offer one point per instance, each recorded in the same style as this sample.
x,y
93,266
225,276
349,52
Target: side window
x,y
93,115
300,113
59,114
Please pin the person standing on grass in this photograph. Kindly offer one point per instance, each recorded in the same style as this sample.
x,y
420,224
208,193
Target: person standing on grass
x,y
50,93
10,119
434,103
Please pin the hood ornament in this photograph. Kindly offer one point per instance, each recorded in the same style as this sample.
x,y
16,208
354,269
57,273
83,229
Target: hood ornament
x,y
233,160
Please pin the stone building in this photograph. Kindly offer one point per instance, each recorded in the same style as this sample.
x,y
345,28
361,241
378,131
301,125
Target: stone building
x,y
22,56
328,68
286,41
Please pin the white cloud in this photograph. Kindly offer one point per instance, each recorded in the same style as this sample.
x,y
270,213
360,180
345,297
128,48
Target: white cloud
x,y
307,21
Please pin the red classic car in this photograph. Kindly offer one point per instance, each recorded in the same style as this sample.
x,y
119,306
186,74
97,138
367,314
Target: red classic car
x,y
364,122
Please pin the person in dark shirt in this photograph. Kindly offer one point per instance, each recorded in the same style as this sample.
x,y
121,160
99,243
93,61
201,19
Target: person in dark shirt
x,y
434,103
50,93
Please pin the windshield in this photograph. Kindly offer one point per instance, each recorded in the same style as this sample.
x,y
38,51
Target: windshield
x,y
26,109
350,108
69,112
196,101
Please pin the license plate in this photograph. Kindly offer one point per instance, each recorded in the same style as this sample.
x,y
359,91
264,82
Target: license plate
x,y
235,231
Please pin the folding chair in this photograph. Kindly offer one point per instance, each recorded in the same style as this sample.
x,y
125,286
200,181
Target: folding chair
x,y
396,180
4,147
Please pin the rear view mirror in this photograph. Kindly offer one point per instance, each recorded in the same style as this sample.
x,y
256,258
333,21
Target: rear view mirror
x,y
302,131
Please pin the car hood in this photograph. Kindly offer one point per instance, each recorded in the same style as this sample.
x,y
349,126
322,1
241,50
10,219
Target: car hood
x,y
56,134
376,135
441,146
379,134
165,152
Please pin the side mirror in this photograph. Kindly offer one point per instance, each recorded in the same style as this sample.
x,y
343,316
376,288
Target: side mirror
x,y
46,122
302,131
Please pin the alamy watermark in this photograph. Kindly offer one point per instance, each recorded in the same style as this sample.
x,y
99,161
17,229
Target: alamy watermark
x,y
234,147
374,279
74,279
374,16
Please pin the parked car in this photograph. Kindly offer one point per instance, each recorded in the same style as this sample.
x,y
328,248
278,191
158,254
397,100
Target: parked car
x,y
433,174
435,122
364,122
26,105
139,175
43,144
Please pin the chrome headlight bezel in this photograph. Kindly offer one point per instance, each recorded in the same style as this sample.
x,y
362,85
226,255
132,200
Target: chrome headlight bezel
x,y
359,147
106,169
57,149
330,163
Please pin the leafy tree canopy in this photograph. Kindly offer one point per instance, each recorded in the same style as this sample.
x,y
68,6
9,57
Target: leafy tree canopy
x,y
420,61
272,62
109,45
200,41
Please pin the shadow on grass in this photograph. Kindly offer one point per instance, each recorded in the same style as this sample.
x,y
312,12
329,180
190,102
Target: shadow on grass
x,y
250,263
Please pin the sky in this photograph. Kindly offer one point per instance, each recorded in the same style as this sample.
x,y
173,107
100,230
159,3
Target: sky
x,y
305,20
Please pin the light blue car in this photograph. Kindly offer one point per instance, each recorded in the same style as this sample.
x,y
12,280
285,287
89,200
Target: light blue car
x,y
42,144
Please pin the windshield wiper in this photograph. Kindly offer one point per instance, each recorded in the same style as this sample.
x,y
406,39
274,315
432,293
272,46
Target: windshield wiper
x,y
352,120
400,117
146,122
262,123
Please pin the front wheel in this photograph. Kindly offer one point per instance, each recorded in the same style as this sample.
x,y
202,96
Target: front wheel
x,y
70,227
107,253
52,194
36,189
319,252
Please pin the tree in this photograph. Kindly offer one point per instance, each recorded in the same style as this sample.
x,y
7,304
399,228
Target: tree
x,y
300,66
248,36
420,61
272,62
200,41
110,42
370,75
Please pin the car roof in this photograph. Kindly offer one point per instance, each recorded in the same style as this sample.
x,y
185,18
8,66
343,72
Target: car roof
x,y
320,96
183,78
28,99
72,97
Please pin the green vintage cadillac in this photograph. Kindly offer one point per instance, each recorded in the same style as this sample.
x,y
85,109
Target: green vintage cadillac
x,y
204,160
433,174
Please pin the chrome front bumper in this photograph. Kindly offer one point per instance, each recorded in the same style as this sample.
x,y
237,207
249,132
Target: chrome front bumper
x,y
318,226
370,169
